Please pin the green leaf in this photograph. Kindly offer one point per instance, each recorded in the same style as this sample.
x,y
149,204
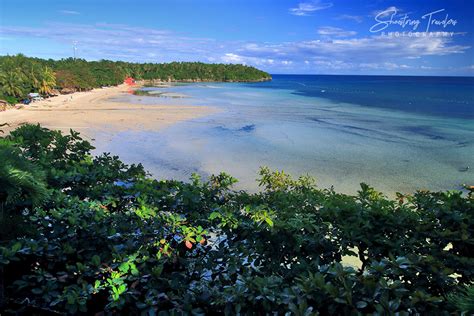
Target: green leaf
x,y
97,284
95,260
16,246
133,269
269,221
124,267
121,289
214,215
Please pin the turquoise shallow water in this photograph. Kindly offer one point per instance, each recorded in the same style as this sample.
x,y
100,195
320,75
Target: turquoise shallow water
x,y
397,134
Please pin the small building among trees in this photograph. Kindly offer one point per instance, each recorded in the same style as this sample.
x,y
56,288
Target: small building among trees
x,y
129,81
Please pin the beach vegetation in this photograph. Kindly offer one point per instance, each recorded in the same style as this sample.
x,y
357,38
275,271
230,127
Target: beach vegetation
x,y
11,83
46,81
90,234
20,75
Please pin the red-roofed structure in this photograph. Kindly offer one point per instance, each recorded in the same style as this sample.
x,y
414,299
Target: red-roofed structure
x,y
129,81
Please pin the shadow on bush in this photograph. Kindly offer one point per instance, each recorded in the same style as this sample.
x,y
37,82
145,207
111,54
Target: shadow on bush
x,y
95,235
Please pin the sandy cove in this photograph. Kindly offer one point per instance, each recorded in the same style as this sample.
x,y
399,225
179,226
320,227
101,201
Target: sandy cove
x,y
91,111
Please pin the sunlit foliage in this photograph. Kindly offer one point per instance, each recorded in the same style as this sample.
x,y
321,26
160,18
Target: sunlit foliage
x,y
105,237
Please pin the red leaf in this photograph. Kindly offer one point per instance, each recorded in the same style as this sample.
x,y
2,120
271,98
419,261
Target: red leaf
x,y
188,244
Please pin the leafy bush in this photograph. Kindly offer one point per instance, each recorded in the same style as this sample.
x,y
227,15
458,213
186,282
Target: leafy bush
x,y
107,238
10,100
463,300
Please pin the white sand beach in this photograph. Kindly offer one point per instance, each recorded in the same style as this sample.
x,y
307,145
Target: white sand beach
x,y
92,111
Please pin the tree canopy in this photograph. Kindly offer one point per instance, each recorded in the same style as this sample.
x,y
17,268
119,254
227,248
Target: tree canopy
x,y
20,75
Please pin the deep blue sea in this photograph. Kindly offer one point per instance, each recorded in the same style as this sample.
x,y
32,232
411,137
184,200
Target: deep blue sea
x,y
394,133
441,96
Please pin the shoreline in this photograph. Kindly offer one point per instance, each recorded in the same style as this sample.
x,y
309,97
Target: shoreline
x,y
91,111
101,120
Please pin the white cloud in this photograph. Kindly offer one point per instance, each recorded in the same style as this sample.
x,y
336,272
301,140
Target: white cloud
x,y
232,58
365,48
334,52
374,53
387,12
355,18
384,66
69,12
119,41
256,61
335,31
334,65
306,8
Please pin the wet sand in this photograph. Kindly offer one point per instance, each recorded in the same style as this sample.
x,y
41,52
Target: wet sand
x,y
92,112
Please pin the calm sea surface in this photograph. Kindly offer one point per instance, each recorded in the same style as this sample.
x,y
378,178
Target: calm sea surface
x,y
394,133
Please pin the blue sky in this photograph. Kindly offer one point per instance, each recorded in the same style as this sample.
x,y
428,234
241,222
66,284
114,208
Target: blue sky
x,y
310,36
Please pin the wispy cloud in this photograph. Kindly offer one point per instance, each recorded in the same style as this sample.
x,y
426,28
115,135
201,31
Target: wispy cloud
x,y
374,53
69,12
338,50
115,41
374,48
335,32
355,18
249,60
307,8
384,66
387,12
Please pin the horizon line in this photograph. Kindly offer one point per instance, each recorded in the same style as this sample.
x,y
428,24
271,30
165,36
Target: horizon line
x,y
288,74
362,75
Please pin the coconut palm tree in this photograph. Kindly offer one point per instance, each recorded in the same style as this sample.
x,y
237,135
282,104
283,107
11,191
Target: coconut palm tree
x,y
33,77
47,80
19,178
11,83
21,182
463,300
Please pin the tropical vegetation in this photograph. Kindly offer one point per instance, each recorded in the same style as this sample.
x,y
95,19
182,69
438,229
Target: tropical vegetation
x,y
84,234
20,75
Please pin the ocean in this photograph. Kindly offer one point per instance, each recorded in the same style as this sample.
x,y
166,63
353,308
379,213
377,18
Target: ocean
x,y
397,134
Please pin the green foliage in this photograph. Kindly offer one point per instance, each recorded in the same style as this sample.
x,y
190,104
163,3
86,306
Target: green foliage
x,y
463,300
10,100
107,238
19,178
11,82
22,184
20,75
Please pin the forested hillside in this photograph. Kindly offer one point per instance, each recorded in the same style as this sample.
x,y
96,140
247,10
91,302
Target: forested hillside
x,y
20,75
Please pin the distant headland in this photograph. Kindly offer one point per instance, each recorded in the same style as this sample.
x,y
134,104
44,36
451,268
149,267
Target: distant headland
x,y
22,75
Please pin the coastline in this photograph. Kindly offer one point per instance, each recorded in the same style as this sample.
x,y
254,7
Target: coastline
x,y
348,145
91,112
